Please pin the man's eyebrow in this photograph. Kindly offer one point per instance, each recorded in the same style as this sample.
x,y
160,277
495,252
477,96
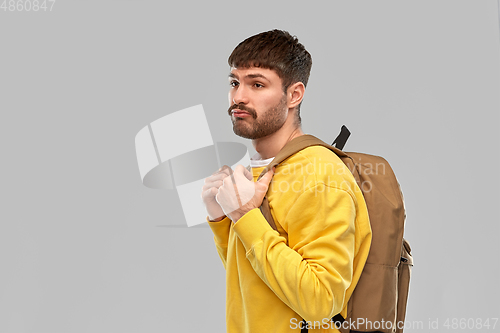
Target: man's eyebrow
x,y
250,76
253,76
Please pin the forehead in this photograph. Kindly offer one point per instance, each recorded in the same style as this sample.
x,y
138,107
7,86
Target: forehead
x,y
254,72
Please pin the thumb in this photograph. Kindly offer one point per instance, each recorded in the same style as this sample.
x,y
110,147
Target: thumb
x,y
266,179
248,174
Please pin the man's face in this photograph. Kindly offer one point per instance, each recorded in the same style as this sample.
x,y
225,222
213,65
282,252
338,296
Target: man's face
x,y
258,105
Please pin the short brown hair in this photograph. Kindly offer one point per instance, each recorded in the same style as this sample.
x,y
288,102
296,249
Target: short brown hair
x,y
277,50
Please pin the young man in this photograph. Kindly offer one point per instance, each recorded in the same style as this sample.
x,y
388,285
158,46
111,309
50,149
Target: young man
x,y
310,266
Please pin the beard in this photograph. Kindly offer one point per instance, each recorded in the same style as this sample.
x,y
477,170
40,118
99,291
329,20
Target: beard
x,y
268,123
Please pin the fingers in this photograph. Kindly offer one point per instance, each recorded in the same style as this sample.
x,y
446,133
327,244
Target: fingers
x,y
208,193
241,170
216,178
236,191
215,184
225,170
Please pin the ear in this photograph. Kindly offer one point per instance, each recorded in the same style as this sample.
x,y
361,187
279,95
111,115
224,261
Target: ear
x,y
295,93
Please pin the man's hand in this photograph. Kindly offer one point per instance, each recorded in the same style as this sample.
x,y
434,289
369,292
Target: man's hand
x,y
210,190
239,194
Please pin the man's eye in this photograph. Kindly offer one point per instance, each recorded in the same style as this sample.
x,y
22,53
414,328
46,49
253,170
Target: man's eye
x,y
258,85
233,83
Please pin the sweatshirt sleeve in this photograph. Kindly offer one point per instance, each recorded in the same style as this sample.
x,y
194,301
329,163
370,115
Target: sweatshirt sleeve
x,y
221,236
312,273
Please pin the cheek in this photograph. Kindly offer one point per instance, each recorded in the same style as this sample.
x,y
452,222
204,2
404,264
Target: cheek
x,y
273,100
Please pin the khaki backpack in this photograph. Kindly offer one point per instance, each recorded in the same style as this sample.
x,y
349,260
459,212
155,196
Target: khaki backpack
x,y
378,302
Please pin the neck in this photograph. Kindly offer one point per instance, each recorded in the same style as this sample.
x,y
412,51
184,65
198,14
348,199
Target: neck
x,y
270,145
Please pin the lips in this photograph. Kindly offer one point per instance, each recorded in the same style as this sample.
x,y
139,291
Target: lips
x,y
240,113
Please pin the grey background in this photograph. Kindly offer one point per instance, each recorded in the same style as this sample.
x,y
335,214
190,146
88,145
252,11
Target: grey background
x,y
85,247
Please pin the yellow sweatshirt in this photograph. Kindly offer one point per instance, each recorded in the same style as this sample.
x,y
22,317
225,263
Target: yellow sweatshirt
x,y
309,268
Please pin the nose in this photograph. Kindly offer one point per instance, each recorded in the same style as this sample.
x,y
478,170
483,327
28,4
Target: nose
x,y
238,95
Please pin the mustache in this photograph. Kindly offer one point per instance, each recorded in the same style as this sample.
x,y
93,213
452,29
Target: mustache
x,y
243,108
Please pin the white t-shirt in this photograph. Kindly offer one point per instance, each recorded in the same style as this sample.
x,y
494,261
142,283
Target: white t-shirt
x,y
257,162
